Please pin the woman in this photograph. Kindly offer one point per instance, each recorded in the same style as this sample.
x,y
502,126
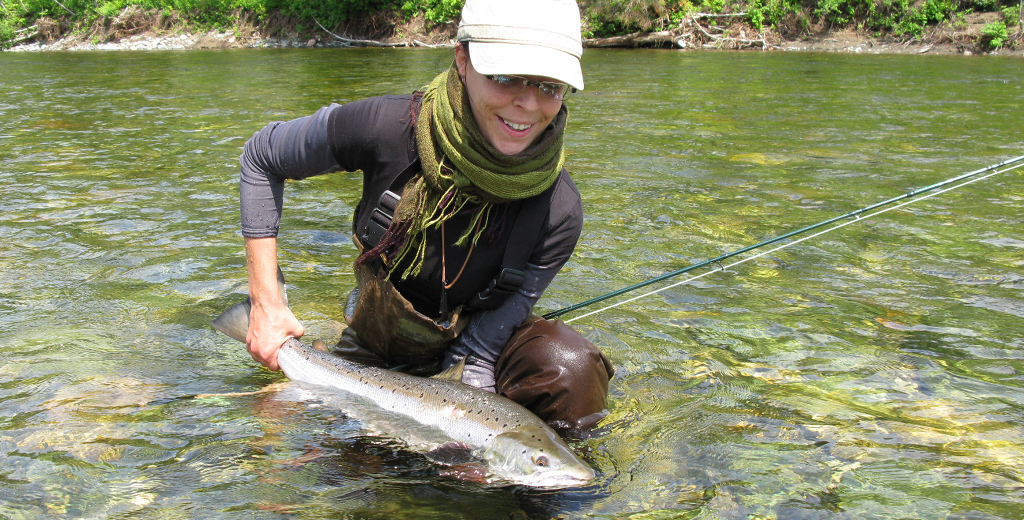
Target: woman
x,y
465,218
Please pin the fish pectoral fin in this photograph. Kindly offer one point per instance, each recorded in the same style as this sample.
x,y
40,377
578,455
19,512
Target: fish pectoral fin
x,y
469,472
452,454
453,373
272,387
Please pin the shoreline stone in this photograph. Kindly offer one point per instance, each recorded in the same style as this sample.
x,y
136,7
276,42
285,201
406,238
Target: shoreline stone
x,y
225,40
184,41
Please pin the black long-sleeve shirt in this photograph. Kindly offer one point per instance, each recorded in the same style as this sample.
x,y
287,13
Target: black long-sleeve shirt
x,y
376,136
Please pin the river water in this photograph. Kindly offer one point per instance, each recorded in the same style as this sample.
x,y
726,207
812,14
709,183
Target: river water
x,y
875,371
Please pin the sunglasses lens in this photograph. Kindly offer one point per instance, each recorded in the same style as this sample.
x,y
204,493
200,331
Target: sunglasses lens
x,y
509,83
516,84
554,90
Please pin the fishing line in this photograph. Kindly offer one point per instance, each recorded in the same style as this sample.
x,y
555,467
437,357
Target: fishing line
x,y
857,214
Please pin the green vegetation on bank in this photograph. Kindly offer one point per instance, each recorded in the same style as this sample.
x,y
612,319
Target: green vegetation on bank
x,y
901,18
202,14
602,18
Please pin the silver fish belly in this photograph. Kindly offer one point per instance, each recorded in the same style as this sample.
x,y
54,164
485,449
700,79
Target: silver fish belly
x,y
517,446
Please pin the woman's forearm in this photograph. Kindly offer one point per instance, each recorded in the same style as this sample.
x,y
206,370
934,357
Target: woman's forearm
x,y
261,262
271,322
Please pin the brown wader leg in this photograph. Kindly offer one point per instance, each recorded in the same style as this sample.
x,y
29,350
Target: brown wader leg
x,y
556,373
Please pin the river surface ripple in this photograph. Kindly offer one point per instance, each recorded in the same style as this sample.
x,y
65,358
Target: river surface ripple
x,y
873,372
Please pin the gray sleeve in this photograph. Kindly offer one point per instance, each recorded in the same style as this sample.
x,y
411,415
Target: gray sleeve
x,y
489,331
291,150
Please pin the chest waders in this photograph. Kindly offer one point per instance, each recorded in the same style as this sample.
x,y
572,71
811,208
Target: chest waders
x,y
389,325
385,323
546,365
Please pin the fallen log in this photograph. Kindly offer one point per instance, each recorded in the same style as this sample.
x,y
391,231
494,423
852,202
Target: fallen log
x,y
360,43
638,39
690,34
26,37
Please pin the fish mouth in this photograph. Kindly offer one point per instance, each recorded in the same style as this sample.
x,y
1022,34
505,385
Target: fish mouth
x,y
560,480
565,477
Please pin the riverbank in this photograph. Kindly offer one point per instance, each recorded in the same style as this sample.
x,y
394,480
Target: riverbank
x,y
140,31
835,42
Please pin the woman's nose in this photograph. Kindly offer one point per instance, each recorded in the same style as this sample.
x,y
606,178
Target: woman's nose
x,y
529,98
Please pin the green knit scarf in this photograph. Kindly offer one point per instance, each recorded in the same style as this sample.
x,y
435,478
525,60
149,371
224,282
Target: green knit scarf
x,y
460,168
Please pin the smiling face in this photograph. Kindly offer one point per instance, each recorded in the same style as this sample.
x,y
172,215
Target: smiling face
x,y
510,122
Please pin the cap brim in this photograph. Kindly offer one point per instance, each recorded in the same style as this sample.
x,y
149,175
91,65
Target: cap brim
x,y
526,60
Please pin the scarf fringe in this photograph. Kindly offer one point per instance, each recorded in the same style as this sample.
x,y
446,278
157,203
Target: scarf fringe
x,y
446,131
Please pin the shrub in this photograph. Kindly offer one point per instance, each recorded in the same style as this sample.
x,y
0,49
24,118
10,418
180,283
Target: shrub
x,y
935,11
435,11
9,23
769,12
1011,15
993,35
611,17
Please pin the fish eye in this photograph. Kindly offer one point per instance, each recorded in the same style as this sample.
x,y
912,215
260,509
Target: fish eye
x,y
542,461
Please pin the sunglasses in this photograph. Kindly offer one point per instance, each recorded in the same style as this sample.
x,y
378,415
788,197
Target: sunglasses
x,y
516,84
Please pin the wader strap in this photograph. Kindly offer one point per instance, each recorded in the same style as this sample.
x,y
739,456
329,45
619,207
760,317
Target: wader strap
x,y
383,212
525,233
380,219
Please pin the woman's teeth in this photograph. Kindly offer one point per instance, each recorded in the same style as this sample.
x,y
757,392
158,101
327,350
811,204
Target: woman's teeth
x,y
516,126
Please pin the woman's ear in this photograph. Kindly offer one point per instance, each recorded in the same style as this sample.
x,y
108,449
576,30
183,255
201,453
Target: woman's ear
x,y
462,60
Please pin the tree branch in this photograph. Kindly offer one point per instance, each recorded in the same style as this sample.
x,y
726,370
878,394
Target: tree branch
x,y
365,43
711,15
65,8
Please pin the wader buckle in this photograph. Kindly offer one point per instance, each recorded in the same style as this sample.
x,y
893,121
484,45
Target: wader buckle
x,y
507,282
380,219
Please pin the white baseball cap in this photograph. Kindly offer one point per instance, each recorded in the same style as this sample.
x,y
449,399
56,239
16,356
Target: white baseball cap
x,y
525,37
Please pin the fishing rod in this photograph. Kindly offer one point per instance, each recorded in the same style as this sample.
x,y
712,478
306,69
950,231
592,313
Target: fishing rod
x,y
857,214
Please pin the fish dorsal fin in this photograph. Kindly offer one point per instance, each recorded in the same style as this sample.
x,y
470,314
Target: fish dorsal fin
x,y
281,286
452,373
235,321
